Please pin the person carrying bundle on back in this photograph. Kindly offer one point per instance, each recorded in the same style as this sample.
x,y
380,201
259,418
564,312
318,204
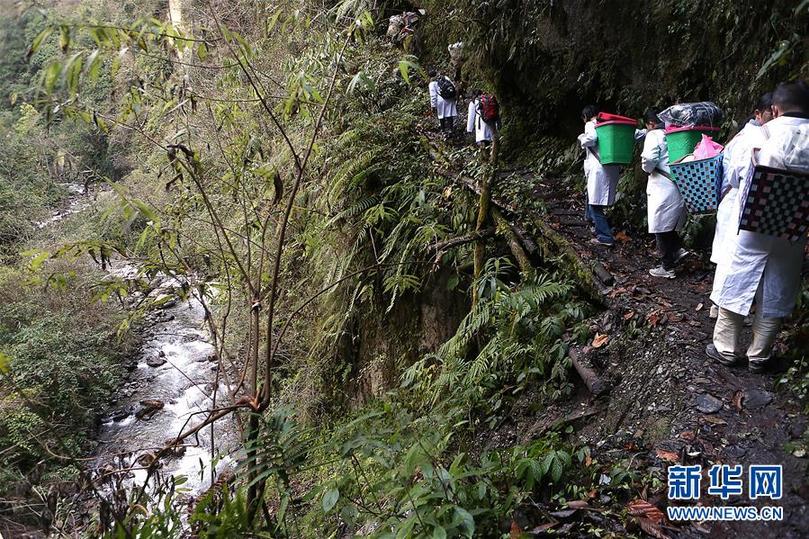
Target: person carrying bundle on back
x,y
446,98
483,117
665,207
760,267
736,162
602,180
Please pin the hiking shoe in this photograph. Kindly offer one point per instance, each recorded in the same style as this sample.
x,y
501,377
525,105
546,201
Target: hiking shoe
x,y
759,366
680,254
596,241
719,357
662,272
714,313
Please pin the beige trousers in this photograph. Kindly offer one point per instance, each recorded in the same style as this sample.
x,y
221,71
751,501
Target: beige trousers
x,y
728,330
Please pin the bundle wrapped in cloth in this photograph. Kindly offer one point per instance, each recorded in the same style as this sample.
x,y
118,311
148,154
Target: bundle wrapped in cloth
x,y
704,113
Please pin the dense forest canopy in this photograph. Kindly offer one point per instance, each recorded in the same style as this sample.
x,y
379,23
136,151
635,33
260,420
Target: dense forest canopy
x,y
243,213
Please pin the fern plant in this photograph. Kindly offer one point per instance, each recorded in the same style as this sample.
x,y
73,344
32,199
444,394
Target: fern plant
x,y
510,333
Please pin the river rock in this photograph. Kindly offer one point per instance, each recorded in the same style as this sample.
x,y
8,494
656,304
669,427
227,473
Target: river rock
x,y
158,360
708,404
148,408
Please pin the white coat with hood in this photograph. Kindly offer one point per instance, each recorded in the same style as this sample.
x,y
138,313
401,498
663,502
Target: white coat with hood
x,y
756,262
664,204
446,107
602,180
475,124
736,162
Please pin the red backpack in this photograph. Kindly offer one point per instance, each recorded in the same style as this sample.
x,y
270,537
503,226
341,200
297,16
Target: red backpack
x,y
488,108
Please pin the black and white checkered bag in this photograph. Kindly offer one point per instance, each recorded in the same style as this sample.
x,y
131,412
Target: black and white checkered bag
x,y
776,203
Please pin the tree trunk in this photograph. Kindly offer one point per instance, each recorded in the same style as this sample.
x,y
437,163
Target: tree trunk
x,y
483,213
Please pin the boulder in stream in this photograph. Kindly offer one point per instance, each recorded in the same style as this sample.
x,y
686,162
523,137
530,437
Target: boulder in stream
x,y
158,360
148,408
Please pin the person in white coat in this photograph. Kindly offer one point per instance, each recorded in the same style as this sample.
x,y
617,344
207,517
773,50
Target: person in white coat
x,y
484,131
664,204
736,160
433,89
602,180
758,267
445,106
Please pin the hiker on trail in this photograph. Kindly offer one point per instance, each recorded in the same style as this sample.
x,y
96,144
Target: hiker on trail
x,y
665,206
736,163
483,117
602,180
446,95
433,88
757,267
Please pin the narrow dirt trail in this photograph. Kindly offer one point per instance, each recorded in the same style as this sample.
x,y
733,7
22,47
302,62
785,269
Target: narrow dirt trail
x,y
668,403
717,414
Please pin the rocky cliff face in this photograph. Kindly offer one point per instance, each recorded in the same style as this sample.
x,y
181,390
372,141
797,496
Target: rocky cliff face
x,y
549,58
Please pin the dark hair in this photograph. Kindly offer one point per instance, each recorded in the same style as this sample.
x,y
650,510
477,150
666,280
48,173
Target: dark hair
x,y
792,97
764,102
476,92
432,73
589,111
651,117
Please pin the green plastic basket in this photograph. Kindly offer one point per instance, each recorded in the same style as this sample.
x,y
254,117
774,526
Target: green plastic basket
x,y
681,141
616,142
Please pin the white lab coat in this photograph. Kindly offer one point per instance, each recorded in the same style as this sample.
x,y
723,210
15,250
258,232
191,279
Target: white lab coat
x,y
753,260
446,107
433,87
736,161
475,124
664,204
602,180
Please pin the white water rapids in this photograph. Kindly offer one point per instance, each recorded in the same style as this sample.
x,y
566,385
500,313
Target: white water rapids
x,y
184,384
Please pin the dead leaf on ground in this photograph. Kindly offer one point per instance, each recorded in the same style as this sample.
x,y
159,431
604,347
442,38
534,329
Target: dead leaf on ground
x,y
629,315
578,504
653,318
642,508
516,531
668,456
738,395
713,420
649,517
688,435
615,291
600,340
622,236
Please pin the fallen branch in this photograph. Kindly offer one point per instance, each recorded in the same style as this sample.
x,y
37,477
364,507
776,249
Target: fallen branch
x,y
442,246
595,384
513,242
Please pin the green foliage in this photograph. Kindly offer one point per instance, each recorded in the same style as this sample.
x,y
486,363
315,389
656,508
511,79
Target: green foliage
x,y
520,331
62,361
25,186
